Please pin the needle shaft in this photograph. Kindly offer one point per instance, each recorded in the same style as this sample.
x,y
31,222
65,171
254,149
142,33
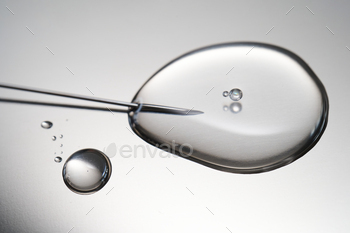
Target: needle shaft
x,y
62,94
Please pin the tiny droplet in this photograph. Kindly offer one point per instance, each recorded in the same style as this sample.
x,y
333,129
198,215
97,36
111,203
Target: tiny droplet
x,y
225,93
61,136
46,124
61,145
58,159
236,94
225,108
53,138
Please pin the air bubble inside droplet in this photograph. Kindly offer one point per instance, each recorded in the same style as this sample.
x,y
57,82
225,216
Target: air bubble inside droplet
x,y
46,124
281,117
86,171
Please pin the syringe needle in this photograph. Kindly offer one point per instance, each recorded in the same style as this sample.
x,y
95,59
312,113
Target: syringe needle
x,y
134,106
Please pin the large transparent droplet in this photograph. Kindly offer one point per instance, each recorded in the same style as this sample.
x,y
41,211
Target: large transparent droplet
x,y
86,171
281,117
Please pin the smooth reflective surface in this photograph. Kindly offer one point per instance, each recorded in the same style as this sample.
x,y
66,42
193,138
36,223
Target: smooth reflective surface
x,y
86,171
281,117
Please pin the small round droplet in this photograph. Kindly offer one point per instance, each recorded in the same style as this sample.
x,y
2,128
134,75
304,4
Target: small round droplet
x,y
53,138
236,107
225,108
225,93
46,124
61,152
236,94
61,145
58,159
86,171
61,136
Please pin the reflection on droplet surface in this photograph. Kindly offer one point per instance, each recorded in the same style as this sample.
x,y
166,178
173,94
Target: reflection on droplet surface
x,y
236,107
46,124
53,138
58,159
274,128
86,171
236,94
225,93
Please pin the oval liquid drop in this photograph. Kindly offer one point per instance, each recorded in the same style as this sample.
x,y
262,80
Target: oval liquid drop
x,y
58,159
46,124
281,117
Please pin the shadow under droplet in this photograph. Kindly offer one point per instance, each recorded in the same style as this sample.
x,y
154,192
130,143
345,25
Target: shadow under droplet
x,y
236,107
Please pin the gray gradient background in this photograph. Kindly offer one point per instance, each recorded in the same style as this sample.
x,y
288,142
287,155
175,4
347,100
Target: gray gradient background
x,y
113,47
